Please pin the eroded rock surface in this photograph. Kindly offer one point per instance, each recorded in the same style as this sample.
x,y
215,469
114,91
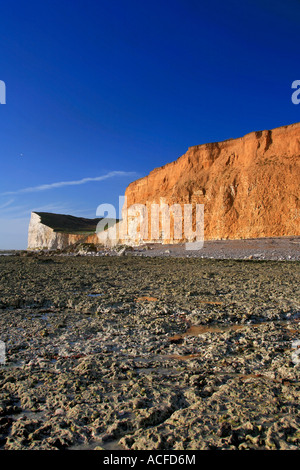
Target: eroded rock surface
x,y
149,353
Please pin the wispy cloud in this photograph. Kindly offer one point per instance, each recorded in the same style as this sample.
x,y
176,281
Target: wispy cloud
x,y
6,204
60,184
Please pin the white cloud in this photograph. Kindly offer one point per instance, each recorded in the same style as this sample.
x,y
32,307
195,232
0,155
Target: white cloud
x,y
6,204
60,184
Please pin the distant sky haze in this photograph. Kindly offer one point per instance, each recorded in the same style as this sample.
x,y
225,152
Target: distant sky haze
x,y
99,93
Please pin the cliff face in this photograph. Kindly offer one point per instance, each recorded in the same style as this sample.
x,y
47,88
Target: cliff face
x,y
249,186
42,235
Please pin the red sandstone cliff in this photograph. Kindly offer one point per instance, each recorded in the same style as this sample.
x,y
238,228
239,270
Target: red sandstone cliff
x,y
249,186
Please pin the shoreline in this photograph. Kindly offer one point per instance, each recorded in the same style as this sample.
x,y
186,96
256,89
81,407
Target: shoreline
x,y
269,248
287,248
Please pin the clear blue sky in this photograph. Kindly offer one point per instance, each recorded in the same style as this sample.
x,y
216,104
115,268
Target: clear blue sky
x,y
116,88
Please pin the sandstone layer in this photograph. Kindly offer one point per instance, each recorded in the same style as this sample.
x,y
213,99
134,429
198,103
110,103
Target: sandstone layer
x,y
249,186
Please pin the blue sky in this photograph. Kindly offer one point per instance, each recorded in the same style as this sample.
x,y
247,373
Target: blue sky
x,y
98,93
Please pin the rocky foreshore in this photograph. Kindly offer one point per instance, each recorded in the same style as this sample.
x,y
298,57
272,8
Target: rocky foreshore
x,y
276,249
130,352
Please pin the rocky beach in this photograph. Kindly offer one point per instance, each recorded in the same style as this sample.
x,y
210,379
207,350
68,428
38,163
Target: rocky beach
x,y
158,349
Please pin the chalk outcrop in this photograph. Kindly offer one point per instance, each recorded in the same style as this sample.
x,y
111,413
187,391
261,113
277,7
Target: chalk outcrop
x,y
58,231
42,233
249,186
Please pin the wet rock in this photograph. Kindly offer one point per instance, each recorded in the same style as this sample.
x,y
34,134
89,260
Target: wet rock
x,y
107,373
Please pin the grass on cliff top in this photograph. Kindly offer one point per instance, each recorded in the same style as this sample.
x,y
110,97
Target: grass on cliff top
x,y
70,224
